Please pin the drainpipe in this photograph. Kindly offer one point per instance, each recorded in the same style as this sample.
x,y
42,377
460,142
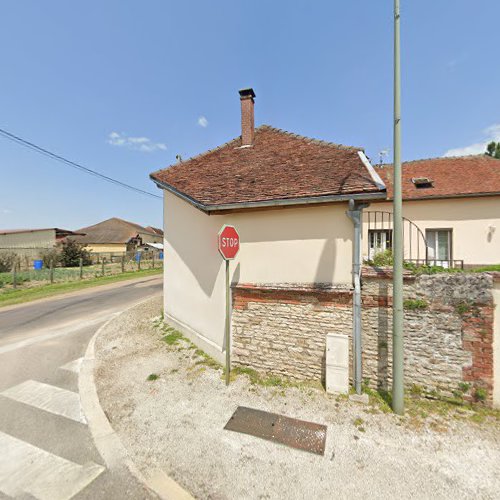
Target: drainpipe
x,y
355,213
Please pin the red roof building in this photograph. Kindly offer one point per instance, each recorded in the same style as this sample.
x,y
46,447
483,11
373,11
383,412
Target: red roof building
x,y
448,177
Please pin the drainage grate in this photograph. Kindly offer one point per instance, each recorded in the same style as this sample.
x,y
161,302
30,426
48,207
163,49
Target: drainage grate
x,y
299,434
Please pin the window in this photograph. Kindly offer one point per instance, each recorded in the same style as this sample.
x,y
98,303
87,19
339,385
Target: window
x,y
379,240
422,182
439,246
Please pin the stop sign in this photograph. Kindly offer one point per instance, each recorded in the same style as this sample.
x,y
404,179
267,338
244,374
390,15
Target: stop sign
x,y
229,242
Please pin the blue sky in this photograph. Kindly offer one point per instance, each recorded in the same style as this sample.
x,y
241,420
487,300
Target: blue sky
x,y
124,86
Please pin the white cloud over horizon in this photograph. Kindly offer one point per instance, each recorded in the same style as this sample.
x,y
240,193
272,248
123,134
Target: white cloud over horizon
x,y
492,133
144,144
202,121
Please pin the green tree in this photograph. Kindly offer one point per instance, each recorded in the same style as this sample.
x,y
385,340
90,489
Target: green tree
x,y
71,252
493,149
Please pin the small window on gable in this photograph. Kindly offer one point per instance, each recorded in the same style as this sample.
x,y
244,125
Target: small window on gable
x,y
422,182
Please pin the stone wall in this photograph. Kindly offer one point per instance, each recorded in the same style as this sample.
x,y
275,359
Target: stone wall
x,y
448,327
282,330
448,331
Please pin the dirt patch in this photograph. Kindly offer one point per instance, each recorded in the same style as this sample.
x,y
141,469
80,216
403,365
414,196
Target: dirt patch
x,y
169,406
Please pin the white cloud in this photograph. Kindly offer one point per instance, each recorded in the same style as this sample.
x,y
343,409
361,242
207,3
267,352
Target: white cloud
x,y
491,133
202,122
137,143
6,211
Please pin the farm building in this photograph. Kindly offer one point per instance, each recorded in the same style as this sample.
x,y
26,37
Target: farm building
x,y
117,236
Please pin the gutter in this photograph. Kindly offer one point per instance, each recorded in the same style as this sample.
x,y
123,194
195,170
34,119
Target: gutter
x,y
355,213
309,200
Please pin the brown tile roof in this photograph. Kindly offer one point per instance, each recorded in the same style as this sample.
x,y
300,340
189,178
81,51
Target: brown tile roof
x,y
155,230
451,177
278,166
113,230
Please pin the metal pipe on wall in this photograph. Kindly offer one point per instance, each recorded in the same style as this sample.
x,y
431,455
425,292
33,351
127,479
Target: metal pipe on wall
x,y
355,213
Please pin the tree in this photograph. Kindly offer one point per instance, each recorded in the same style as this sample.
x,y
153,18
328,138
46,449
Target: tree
x,y
493,149
71,252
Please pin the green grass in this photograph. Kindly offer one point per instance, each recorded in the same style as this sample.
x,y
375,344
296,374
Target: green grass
x,y
484,269
172,337
152,377
11,297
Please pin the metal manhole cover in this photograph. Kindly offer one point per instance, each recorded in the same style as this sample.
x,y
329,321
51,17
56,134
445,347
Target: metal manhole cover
x,y
299,434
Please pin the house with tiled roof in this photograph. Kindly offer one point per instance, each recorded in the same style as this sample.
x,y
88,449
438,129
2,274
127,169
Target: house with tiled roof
x,y
286,194
452,211
117,235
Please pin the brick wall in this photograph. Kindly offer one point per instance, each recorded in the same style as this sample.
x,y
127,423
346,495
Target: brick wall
x,y
448,324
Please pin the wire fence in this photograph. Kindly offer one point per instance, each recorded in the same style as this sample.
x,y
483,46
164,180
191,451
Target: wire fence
x,y
26,268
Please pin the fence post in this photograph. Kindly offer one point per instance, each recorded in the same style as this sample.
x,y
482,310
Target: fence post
x,y
153,260
103,262
81,267
139,261
14,274
51,271
123,263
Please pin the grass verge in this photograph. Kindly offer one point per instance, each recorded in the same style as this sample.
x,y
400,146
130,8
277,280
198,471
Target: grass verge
x,y
20,296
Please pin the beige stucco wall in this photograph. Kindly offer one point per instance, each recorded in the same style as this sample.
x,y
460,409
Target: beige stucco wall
x,y
496,346
106,247
475,223
293,245
29,239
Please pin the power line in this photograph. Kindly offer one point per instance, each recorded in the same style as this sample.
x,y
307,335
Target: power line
x,y
38,149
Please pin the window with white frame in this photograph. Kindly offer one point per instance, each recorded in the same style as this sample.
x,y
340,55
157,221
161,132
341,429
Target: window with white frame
x,y
439,246
379,240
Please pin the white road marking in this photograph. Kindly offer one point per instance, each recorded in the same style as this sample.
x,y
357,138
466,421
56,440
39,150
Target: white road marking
x,y
49,398
73,366
24,468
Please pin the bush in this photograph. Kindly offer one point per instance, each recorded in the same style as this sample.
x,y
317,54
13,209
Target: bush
x,y
383,259
72,252
7,260
50,256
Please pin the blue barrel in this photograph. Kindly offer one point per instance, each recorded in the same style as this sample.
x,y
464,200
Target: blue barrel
x,y
37,264
161,255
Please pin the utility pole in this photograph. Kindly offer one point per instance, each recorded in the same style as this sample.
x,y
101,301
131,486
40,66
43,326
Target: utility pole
x,y
398,404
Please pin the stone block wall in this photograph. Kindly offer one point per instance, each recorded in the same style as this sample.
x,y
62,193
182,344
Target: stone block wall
x,y
281,330
448,331
448,327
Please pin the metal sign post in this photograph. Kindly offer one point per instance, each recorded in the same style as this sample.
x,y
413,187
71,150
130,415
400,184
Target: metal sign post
x,y
229,245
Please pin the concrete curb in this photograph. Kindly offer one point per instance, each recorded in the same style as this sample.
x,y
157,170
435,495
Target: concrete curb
x,y
106,439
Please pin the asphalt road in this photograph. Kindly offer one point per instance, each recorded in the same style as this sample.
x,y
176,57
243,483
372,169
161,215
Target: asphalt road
x,y
46,447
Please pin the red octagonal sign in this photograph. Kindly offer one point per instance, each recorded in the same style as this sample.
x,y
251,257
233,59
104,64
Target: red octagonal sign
x,y
229,242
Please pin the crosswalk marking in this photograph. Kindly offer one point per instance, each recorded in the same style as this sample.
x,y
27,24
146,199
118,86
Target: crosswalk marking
x,y
49,398
73,366
24,468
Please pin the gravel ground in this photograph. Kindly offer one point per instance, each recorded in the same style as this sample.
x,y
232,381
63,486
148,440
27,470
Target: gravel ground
x,y
176,422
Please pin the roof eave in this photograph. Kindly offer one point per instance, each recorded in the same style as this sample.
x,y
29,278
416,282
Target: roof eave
x,y
448,196
309,200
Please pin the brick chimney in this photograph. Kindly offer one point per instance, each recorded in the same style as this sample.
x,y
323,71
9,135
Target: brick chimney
x,y
247,118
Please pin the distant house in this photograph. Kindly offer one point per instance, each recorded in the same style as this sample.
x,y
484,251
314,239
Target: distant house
x,y
27,241
117,236
452,211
